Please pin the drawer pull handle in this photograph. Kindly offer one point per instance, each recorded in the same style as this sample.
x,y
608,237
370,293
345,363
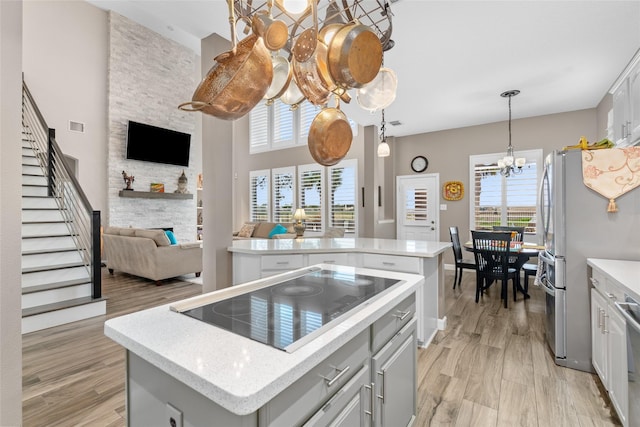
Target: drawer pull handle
x,y
610,295
372,392
388,263
282,262
594,282
402,315
381,396
332,381
329,261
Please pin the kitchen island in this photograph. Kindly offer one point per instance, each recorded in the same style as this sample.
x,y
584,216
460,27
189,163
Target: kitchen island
x,y
258,258
181,368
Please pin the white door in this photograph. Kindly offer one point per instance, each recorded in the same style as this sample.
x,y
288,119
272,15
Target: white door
x,y
417,207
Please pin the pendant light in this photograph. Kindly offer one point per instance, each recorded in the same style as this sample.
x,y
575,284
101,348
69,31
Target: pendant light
x,y
509,164
383,147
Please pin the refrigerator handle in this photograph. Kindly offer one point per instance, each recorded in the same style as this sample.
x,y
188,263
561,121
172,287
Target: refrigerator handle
x,y
561,272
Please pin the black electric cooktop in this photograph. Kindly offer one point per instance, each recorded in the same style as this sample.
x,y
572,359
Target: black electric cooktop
x,y
284,313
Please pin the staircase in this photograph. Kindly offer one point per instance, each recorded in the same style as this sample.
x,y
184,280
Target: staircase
x,y
58,269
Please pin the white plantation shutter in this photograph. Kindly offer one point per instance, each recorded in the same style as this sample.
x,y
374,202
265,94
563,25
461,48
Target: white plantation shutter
x,y
308,112
259,190
284,193
497,200
342,198
258,128
283,134
415,206
310,195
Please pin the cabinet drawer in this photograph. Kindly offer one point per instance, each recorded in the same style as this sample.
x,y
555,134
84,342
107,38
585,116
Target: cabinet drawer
x,y
392,263
340,259
304,397
347,406
281,262
388,325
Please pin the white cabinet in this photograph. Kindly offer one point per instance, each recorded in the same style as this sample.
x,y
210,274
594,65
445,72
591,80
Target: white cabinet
x,y
394,372
626,106
609,341
598,335
618,374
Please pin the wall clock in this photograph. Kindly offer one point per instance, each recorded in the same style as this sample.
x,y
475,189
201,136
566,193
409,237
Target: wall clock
x,y
419,164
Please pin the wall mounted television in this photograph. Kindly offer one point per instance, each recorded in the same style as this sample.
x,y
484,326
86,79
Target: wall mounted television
x,y
154,144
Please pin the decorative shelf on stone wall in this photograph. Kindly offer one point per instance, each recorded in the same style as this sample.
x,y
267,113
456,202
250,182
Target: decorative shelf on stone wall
x,y
153,195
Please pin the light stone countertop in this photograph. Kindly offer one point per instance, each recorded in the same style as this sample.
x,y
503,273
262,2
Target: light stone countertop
x,y
625,273
412,248
237,373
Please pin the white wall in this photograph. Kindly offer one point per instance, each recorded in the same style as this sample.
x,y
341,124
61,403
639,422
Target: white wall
x,y
149,76
65,67
10,191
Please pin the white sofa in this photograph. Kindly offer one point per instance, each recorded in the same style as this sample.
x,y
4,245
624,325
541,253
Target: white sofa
x,y
149,253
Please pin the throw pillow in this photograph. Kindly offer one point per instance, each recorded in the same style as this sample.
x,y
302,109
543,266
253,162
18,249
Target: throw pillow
x,y
246,230
278,229
171,236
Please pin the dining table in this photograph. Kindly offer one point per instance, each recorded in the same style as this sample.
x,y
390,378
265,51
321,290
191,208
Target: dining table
x,y
521,253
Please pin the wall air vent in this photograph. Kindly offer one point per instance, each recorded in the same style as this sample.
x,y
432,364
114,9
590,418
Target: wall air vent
x,y
76,126
395,123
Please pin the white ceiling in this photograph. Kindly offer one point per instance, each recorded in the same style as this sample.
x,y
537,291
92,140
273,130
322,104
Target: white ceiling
x,y
454,58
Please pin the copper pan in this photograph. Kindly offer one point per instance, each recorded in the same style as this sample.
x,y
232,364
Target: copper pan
x,y
282,75
307,74
355,55
237,82
330,136
274,32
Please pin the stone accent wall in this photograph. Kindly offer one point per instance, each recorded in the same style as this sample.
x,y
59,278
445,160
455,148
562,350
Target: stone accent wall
x,y
149,76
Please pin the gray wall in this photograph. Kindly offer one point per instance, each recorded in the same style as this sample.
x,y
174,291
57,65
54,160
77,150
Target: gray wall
x,y
149,76
448,153
10,192
65,66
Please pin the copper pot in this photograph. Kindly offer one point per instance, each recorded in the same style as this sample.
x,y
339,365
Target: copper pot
x,y
330,136
282,75
355,55
274,32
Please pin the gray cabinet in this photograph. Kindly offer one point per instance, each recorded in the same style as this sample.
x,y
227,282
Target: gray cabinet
x,y
394,373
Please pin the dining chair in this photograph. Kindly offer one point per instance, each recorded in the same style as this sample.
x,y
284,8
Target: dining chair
x,y
491,252
519,231
457,255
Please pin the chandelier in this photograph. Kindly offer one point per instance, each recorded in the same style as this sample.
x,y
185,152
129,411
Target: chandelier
x,y
509,164
383,147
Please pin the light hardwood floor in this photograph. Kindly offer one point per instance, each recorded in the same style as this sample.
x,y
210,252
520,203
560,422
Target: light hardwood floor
x,y
490,367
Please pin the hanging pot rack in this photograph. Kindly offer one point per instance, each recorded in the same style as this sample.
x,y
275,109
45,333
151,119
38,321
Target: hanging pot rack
x,y
376,14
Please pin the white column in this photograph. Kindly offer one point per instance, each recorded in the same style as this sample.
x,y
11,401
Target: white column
x,y
10,213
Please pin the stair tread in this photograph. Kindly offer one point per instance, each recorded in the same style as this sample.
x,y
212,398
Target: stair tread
x,y
55,285
32,311
40,236
57,221
52,250
52,267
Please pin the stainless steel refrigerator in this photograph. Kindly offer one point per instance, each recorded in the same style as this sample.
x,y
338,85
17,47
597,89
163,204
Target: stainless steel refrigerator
x,y
577,226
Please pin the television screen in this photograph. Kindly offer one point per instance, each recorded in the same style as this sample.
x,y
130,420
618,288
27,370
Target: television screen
x,y
154,144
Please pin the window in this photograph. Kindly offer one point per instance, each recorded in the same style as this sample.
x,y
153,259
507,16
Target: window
x,y
284,191
276,126
333,204
259,188
504,201
310,193
343,197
